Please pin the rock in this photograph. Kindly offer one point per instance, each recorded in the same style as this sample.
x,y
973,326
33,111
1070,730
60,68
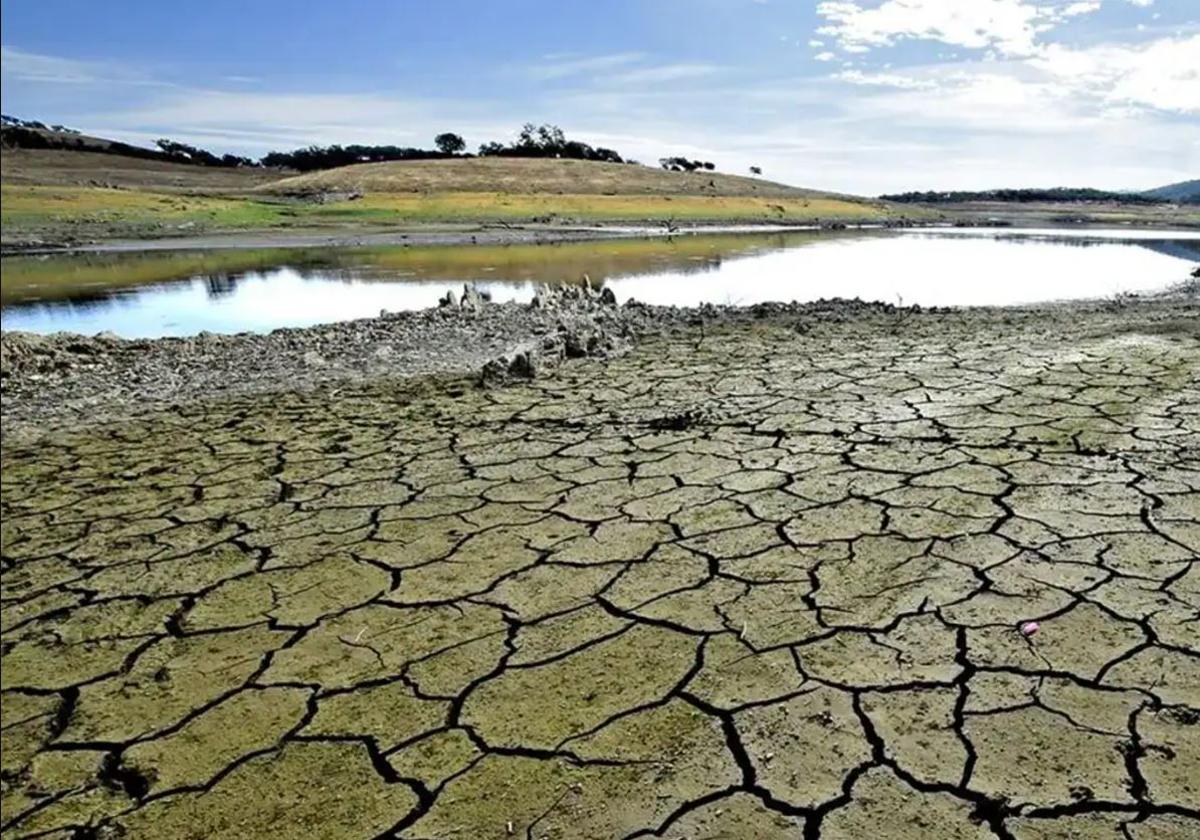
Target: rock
x,y
472,301
448,300
313,359
495,372
608,297
523,366
578,344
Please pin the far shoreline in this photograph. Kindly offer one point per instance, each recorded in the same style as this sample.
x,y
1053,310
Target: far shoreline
x,y
548,234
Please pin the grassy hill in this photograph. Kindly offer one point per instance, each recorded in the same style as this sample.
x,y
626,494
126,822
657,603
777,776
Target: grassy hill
x,y
541,190
526,176
61,167
71,195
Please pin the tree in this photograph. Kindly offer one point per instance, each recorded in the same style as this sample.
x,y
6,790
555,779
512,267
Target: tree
x,y
449,143
755,170
682,164
548,141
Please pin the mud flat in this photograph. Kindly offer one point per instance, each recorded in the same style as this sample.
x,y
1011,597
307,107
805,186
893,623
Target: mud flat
x,y
686,573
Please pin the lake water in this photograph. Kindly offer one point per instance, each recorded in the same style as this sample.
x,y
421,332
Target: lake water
x,y
147,294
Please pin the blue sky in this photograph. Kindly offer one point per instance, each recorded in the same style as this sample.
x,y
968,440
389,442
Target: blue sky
x,y
861,96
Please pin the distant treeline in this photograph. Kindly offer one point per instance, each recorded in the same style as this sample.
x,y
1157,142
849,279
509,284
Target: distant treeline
x,y
1057,194
330,157
5,119
545,141
27,134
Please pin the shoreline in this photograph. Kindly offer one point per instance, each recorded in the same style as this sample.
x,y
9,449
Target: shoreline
x,y
69,379
449,234
495,233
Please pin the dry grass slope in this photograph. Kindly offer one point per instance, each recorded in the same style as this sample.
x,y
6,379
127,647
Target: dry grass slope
x,y
526,176
56,167
70,196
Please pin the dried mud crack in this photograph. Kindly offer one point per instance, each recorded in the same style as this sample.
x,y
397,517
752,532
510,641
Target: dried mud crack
x,y
758,577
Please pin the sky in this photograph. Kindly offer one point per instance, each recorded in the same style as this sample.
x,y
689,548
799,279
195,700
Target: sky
x,y
856,96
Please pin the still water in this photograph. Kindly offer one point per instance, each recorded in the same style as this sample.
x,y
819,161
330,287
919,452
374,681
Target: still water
x,y
178,293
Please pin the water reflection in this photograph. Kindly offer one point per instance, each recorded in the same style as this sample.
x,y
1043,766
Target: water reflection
x,y
220,285
182,293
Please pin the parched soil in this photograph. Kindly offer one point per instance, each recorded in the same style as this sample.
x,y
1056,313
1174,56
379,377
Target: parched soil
x,y
762,576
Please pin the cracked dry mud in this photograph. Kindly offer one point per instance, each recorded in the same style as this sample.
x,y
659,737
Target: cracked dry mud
x,y
751,582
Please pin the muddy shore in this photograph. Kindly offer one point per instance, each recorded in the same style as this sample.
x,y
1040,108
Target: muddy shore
x,y
418,235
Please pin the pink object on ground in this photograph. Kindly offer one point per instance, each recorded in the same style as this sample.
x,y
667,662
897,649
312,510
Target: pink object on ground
x,y
1028,628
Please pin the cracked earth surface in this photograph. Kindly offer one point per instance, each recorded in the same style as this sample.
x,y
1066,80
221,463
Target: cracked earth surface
x,y
760,580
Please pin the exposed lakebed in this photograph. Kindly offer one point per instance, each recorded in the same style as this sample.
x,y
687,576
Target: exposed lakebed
x,y
180,293
760,576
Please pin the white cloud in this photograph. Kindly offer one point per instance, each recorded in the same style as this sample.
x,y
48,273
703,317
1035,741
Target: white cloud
x,y
824,56
1009,26
892,80
628,68
661,73
54,70
1162,74
262,121
560,65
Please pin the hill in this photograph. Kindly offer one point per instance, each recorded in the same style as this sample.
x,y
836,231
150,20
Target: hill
x,y
525,176
1185,192
87,191
95,168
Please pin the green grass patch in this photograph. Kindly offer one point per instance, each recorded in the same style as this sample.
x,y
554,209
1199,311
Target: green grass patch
x,y
97,212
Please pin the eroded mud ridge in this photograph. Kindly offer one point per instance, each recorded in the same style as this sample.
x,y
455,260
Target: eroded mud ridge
x,y
756,580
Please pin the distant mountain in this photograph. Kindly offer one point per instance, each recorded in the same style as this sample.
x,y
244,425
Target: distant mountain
x,y
1185,192
1055,195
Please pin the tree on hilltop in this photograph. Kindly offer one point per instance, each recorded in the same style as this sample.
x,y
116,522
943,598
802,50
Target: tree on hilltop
x,y
449,143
